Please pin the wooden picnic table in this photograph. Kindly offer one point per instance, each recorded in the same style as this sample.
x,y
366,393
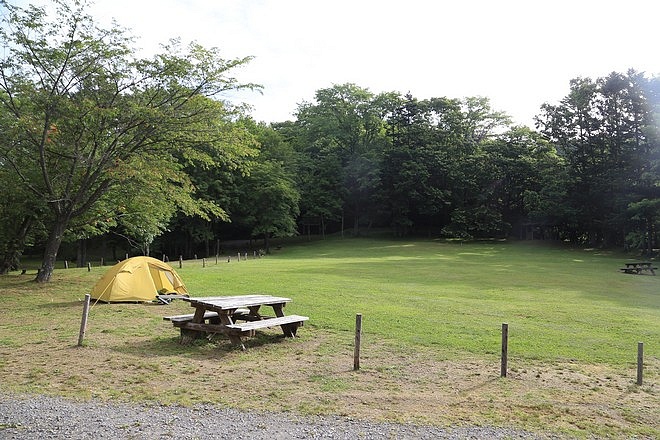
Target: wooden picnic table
x,y
219,314
639,267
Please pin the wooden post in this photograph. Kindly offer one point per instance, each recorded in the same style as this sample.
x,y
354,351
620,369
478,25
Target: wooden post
x,y
89,267
505,349
101,261
126,257
180,261
66,264
83,323
239,256
640,363
358,341
203,262
216,258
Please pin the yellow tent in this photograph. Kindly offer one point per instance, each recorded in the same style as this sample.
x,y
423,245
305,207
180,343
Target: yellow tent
x,y
138,279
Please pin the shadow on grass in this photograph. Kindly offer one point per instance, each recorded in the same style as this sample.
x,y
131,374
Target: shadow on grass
x,y
215,348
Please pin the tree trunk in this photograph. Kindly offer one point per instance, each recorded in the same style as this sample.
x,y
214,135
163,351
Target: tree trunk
x,y
11,258
649,236
267,242
82,252
52,247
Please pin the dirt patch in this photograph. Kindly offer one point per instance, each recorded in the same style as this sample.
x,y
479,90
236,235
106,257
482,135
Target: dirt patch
x,y
313,375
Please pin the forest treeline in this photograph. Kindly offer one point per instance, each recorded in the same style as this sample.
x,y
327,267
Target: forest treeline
x,y
145,155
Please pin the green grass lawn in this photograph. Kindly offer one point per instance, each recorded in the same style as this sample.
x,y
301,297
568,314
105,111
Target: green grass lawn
x,y
559,303
432,315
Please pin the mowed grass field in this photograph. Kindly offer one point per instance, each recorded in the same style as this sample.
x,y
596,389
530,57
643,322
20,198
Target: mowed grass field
x,y
432,315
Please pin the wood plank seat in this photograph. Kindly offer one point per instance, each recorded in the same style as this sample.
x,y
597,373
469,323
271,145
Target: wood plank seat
x,y
189,317
289,320
289,324
238,314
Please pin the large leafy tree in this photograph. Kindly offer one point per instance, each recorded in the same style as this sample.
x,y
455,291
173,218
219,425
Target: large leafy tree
x,y
437,171
416,167
213,171
268,201
86,114
342,134
606,130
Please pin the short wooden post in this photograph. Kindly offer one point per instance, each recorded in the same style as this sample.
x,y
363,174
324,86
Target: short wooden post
x,y
505,349
246,256
66,264
89,267
126,257
180,261
216,258
203,262
83,323
101,261
239,256
358,341
640,363
229,259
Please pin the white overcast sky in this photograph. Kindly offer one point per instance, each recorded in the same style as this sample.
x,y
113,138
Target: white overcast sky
x,y
518,53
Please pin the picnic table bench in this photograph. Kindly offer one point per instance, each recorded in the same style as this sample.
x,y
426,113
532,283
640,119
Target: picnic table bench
x,y
219,314
639,267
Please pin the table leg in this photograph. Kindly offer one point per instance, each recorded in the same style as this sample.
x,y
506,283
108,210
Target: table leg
x,y
188,336
254,313
278,309
225,318
289,330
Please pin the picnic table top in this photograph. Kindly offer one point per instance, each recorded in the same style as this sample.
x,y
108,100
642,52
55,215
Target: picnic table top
x,y
639,263
235,302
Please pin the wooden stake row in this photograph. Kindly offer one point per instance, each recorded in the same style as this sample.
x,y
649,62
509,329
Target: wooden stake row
x,y
505,350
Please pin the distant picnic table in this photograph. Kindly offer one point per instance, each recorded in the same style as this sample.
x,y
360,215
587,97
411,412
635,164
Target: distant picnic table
x,y
219,314
639,267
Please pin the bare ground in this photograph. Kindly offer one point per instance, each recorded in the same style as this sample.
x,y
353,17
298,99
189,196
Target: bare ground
x,y
313,374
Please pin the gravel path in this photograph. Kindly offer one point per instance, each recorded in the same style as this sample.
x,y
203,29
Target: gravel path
x,y
41,417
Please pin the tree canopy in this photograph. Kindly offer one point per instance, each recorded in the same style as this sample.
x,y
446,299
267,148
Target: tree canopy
x,y
97,142
85,121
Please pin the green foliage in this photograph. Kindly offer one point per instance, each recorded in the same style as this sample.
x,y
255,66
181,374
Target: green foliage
x,y
341,136
607,131
268,201
89,122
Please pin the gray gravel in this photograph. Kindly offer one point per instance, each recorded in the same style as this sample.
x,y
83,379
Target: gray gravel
x,y
42,417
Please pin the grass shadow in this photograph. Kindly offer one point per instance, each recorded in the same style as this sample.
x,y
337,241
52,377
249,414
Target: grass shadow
x,y
200,349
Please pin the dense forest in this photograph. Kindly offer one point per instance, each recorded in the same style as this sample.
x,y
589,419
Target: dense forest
x,y
144,156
